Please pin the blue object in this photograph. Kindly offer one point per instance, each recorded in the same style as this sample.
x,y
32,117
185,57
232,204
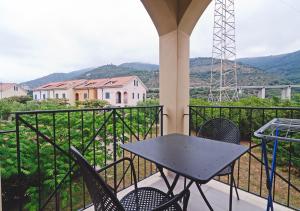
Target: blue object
x,y
270,174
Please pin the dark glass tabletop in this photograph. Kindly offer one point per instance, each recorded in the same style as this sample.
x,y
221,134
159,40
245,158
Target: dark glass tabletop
x,y
196,158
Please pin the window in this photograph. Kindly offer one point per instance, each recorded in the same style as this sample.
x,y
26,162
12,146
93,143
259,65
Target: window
x,y
137,83
107,95
138,95
133,95
57,96
118,97
35,97
15,88
85,96
64,95
133,82
144,96
44,96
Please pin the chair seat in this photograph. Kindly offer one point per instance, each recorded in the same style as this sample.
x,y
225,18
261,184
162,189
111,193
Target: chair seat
x,y
149,198
227,170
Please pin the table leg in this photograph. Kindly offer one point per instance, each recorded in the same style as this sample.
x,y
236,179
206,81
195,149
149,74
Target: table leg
x,y
203,196
170,187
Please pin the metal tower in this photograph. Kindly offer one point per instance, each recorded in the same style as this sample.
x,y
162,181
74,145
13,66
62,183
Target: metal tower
x,y
223,81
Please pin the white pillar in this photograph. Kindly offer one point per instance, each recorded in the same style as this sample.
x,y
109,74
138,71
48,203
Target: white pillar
x,y
175,21
286,93
262,93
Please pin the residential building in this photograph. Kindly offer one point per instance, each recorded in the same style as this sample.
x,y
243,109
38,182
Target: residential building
x,y
119,91
11,90
57,90
88,90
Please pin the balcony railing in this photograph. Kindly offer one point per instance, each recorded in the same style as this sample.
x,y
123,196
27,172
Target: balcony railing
x,y
37,172
249,171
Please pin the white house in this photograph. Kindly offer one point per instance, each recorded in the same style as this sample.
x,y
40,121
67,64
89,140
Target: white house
x,y
119,91
11,90
57,90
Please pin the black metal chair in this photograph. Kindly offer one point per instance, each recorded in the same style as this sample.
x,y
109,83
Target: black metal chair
x,y
224,130
142,199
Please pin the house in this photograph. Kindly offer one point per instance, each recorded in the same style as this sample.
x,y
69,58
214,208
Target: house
x,y
119,91
11,90
57,90
88,90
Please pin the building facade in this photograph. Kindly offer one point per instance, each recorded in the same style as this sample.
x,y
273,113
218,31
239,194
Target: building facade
x,y
119,91
57,90
11,90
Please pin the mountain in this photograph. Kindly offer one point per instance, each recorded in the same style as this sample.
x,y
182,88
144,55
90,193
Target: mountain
x,y
140,66
54,77
270,70
285,66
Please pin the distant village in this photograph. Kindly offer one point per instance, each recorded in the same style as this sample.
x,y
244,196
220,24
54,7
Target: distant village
x,y
119,91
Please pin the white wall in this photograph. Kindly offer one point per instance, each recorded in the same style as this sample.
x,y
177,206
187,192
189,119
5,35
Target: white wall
x,y
130,88
51,94
12,92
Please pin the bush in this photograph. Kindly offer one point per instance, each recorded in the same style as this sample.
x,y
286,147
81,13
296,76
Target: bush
x,y
92,104
149,102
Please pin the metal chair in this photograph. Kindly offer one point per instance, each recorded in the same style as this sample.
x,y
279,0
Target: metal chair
x,y
224,130
142,199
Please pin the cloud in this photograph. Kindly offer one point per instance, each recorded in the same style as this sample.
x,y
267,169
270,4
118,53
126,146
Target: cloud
x,y
40,37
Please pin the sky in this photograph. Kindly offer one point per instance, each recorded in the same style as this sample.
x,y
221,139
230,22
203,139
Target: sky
x,y
39,37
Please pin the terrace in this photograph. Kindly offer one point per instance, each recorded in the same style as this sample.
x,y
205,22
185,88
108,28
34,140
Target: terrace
x,y
38,173
47,179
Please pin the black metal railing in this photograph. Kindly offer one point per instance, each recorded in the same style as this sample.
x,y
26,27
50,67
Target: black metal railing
x,y
39,174
249,171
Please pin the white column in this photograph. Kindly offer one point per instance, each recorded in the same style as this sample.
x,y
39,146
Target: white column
x,y
286,93
262,93
175,21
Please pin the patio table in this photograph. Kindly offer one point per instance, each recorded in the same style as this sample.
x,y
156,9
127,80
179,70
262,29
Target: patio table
x,y
194,158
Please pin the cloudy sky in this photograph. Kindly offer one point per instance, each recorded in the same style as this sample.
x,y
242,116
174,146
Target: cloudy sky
x,y
38,37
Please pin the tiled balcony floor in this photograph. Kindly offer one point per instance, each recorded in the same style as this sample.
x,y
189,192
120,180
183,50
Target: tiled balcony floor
x,y
217,193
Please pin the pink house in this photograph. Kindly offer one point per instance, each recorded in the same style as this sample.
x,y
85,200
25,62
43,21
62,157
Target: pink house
x,y
119,91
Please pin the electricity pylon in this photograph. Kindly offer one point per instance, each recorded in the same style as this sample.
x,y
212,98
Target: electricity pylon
x,y
223,81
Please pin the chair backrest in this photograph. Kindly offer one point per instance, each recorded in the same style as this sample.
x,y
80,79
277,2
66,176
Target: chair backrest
x,y
220,129
102,196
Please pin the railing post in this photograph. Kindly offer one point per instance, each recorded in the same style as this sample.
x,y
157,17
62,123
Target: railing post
x,y
0,195
161,120
190,119
18,158
115,148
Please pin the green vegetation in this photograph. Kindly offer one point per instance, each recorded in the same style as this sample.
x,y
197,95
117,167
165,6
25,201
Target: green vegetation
x,y
78,128
42,165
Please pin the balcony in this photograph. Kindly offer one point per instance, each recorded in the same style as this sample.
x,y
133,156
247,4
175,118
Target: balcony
x,y
37,173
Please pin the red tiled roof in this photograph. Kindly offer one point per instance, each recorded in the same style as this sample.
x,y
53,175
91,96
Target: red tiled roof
x,y
92,83
88,84
60,85
5,86
106,82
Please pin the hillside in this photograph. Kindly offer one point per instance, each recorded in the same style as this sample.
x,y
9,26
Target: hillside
x,y
270,70
285,65
140,66
54,77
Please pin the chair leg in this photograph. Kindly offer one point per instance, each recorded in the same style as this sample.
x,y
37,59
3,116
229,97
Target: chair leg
x,y
236,190
204,197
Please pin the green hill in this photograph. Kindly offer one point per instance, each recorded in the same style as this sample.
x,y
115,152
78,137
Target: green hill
x,y
270,70
284,66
